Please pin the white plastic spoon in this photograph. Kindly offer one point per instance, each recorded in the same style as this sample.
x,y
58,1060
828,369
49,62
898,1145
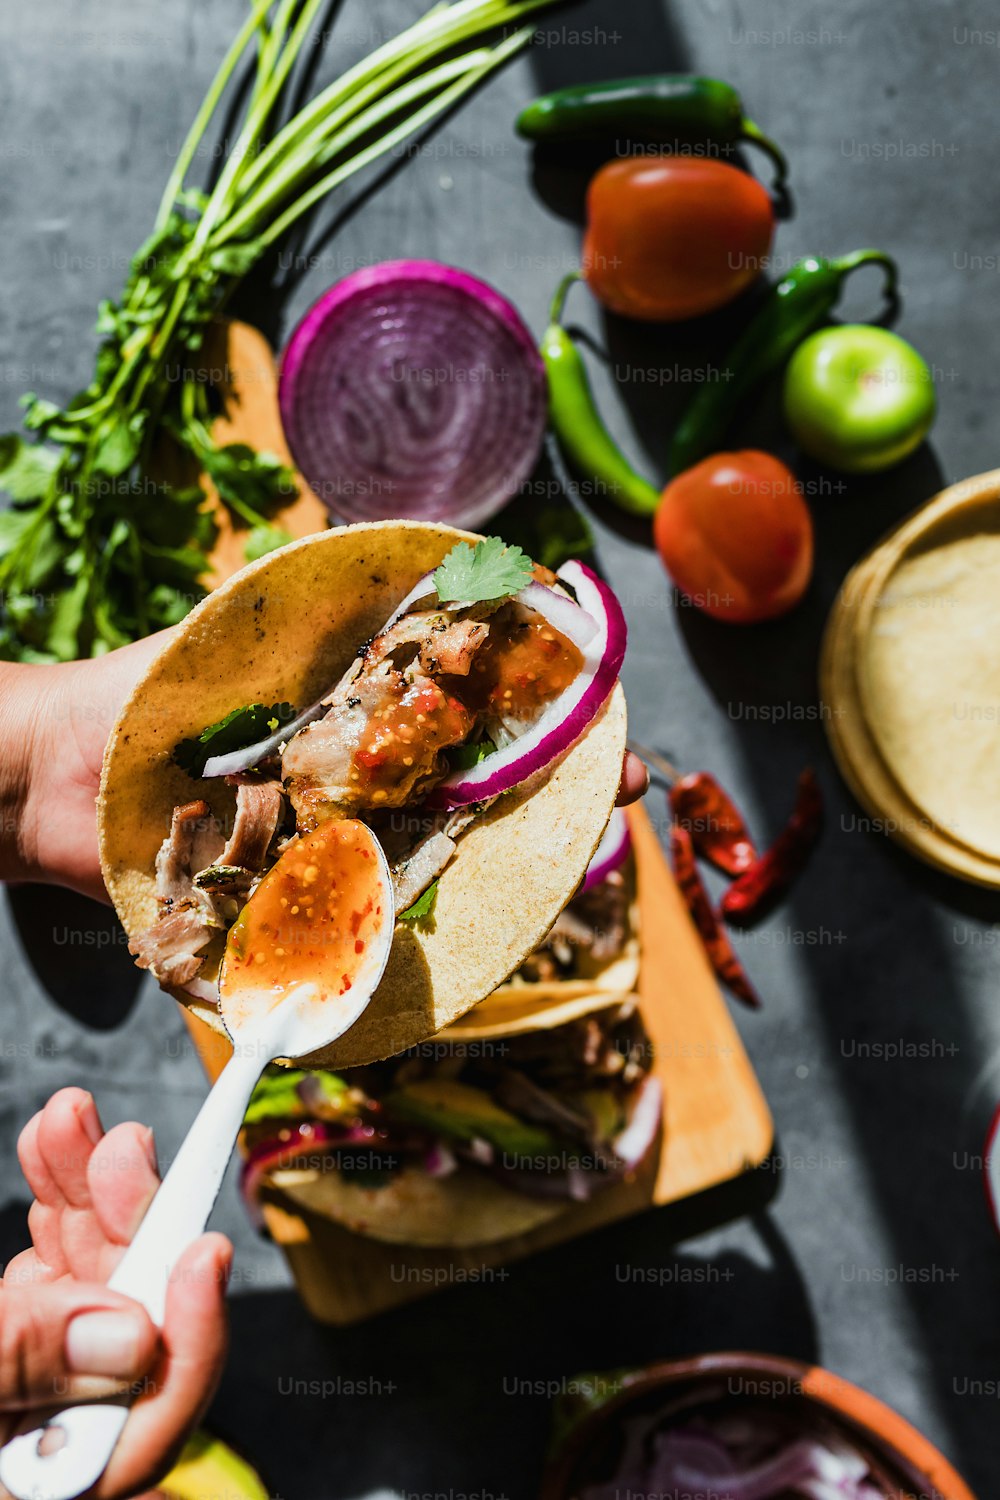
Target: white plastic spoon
x,y
301,964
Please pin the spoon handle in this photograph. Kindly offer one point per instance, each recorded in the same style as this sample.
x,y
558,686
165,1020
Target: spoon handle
x,y
173,1221
180,1210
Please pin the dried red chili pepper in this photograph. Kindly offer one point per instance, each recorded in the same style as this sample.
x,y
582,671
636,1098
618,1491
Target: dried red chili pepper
x,y
769,877
713,935
714,822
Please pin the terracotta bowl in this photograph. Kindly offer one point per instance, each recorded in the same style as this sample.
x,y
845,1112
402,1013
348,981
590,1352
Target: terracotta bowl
x,y
900,1454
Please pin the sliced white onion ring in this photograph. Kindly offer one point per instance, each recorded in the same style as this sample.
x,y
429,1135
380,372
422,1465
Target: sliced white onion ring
x,y
991,1169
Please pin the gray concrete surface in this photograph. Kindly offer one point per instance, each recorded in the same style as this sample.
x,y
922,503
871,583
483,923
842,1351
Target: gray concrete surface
x,y
875,1255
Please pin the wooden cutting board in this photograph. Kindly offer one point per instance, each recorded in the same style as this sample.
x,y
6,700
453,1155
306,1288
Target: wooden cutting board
x,y
716,1121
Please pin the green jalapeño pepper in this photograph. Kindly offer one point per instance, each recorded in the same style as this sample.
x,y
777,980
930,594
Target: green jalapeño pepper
x,y
794,308
665,108
586,443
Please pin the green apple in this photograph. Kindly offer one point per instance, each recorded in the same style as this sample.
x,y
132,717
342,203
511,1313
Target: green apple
x,y
858,398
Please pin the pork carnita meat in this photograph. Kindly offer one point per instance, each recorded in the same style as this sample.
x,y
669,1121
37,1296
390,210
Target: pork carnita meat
x,y
486,673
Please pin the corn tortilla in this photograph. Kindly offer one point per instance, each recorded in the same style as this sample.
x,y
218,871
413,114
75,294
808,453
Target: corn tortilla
x,y
929,675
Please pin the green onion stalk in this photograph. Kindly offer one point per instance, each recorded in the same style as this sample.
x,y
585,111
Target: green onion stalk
x,y
96,547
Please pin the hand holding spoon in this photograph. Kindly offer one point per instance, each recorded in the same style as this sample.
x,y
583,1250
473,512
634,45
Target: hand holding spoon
x,y
302,962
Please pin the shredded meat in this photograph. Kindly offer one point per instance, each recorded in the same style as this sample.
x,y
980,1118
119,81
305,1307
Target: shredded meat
x,y
413,875
388,720
323,765
443,644
259,807
194,839
451,650
529,1101
171,947
595,923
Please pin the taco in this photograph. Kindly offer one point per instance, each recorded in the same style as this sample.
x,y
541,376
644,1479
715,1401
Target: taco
x,y
461,1141
461,701
540,1097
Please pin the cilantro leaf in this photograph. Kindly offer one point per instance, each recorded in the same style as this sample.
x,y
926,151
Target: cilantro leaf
x,y
464,757
422,911
265,539
490,570
243,726
26,469
119,448
252,482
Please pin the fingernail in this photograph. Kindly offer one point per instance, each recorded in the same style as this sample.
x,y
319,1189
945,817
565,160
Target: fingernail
x,y
104,1343
149,1144
90,1120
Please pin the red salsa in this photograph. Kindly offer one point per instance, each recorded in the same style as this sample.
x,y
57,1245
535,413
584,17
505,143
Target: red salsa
x,y
521,667
313,916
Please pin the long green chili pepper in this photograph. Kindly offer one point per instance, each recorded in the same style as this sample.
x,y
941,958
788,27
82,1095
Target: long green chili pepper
x,y
796,306
586,443
667,108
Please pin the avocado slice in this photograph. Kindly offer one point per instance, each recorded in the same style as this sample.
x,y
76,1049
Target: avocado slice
x,y
603,1107
465,1113
276,1096
209,1470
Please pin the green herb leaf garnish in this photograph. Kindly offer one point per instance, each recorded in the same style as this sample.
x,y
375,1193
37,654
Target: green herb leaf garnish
x,y
422,910
489,570
464,757
277,1096
241,727
84,563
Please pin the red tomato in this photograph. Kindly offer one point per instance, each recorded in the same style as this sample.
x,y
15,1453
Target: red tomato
x,y
673,237
736,536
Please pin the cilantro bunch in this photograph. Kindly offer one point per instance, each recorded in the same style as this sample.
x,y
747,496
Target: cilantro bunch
x,y
98,546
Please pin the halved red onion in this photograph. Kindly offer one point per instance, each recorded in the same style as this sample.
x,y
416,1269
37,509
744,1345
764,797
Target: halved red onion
x,y
612,851
991,1169
632,1143
413,390
565,719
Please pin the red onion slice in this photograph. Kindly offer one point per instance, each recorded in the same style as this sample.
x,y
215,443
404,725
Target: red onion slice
x,y
991,1169
304,1139
413,390
205,990
612,851
561,612
565,719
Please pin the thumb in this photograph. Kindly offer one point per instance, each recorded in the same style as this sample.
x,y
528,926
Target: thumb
x,y
70,1341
